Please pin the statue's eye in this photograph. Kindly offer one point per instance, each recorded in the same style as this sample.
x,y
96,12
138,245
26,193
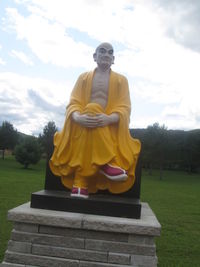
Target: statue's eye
x,y
102,50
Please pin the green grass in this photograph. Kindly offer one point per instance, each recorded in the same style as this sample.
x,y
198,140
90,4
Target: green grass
x,y
16,186
175,200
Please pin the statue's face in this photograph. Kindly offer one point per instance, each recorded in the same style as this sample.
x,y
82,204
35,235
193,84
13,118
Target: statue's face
x,y
104,55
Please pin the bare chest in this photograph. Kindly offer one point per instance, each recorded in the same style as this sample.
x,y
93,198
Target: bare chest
x,y
99,93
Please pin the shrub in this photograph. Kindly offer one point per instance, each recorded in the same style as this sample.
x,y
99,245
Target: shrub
x,y
28,152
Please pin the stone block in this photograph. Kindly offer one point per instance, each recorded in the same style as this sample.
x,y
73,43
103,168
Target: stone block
x,y
79,254
147,225
23,247
5,264
25,214
45,239
141,239
120,247
144,261
80,233
146,209
119,258
35,260
56,238
99,264
26,227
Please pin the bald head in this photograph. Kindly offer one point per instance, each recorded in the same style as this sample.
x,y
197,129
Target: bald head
x,y
104,55
105,45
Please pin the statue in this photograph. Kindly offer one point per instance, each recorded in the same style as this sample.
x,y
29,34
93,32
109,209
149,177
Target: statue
x,y
95,151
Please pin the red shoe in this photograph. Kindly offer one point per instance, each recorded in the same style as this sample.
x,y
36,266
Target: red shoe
x,y
114,173
79,192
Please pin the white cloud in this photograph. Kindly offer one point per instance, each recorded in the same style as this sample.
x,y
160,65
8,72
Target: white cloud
x,y
22,56
159,67
180,19
49,41
29,103
167,75
2,62
99,19
122,22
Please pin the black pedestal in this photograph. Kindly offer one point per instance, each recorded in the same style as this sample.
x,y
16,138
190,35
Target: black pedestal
x,y
107,205
57,197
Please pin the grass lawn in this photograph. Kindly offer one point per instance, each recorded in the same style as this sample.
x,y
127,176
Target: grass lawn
x,y
175,201
16,186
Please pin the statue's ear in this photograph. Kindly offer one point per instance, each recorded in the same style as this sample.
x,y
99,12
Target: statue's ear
x,y
95,57
113,60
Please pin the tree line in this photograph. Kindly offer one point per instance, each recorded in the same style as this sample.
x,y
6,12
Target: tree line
x,y
169,149
27,149
161,148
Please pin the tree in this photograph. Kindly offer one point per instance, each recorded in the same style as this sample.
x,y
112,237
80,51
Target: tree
x,y
175,151
28,152
155,146
192,151
46,138
169,149
8,137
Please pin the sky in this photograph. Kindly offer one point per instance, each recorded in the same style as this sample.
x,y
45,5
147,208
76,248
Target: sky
x,y
45,45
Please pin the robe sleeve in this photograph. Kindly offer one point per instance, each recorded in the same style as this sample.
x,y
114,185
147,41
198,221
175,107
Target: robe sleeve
x,y
123,103
62,138
77,96
129,148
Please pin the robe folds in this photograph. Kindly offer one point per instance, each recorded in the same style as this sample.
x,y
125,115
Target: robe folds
x,y
84,150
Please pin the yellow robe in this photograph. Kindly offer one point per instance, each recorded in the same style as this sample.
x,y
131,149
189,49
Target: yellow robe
x,y
84,150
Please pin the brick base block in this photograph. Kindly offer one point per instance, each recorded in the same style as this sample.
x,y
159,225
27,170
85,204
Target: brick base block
x,y
55,238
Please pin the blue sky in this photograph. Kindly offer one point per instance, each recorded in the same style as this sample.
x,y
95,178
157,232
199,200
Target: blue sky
x,y
46,44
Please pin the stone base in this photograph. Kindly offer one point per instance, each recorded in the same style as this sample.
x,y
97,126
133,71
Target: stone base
x,y
56,238
108,205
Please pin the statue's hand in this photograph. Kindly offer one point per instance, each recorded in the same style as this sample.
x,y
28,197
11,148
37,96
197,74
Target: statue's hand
x,y
85,120
104,119
100,120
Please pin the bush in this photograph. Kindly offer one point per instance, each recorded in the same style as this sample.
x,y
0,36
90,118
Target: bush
x,y
28,152
8,137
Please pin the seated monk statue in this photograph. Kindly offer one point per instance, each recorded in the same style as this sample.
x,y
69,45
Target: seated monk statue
x,y
95,151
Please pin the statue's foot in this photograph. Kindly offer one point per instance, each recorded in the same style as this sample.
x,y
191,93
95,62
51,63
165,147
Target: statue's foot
x,y
79,192
113,173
